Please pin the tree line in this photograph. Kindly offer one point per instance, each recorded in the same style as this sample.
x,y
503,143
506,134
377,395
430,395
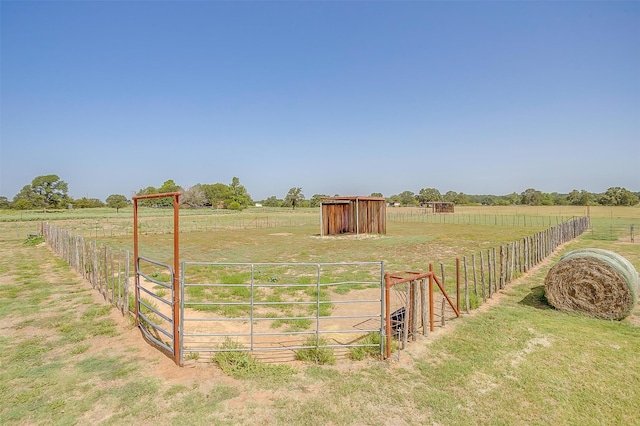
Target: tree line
x,y
51,192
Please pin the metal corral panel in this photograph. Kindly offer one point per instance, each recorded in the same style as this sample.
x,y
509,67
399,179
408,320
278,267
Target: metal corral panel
x,y
353,215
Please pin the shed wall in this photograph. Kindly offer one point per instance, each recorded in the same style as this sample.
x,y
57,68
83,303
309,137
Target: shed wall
x,y
354,216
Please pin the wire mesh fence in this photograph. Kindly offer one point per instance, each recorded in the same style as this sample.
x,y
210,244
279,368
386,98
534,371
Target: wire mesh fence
x,y
107,269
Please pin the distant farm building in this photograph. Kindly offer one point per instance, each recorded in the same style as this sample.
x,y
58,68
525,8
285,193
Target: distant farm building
x,y
439,206
353,215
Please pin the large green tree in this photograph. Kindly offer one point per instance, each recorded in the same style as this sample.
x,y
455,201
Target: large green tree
x,y
616,196
531,197
167,186
426,195
239,193
87,203
26,199
293,198
513,198
50,189
117,201
407,199
316,200
216,194
149,190
272,201
580,198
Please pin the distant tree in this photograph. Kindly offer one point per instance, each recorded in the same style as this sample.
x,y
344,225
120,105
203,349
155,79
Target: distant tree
x,y
488,200
272,202
477,199
531,197
575,198
26,199
5,203
22,204
149,190
513,198
117,201
293,198
194,197
461,198
407,198
167,186
50,190
617,196
449,196
393,199
628,198
377,194
217,194
87,203
426,195
559,199
316,200
239,193
546,199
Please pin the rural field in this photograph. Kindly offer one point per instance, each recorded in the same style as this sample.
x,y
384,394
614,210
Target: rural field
x,y
70,358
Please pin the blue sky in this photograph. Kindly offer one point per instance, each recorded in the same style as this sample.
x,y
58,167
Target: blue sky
x,y
334,97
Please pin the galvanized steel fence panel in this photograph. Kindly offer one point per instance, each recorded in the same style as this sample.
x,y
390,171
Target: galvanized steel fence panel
x,y
283,307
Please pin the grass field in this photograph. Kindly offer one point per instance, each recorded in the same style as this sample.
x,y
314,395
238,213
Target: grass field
x,y
68,359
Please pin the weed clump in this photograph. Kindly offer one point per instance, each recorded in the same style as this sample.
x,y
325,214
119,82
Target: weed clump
x,y
372,348
235,361
34,240
318,352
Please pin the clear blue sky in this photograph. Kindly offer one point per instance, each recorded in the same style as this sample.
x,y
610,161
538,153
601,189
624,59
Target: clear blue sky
x,y
335,97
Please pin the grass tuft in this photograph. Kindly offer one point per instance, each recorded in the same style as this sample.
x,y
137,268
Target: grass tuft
x,y
317,352
358,353
237,362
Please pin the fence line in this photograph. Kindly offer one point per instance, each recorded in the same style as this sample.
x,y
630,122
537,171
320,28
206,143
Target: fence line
x,y
107,270
476,219
498,266
164,225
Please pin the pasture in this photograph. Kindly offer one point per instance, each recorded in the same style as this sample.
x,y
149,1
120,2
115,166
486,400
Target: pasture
x,y
68,359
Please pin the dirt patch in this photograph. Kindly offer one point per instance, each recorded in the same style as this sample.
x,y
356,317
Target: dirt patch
x,y
349,237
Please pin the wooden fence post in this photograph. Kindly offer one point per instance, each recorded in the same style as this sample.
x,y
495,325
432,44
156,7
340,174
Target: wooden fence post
x,y
466,284
490,281
484,294
475,281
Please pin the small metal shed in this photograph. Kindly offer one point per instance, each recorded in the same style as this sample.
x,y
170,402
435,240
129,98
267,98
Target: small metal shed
x,y
353,215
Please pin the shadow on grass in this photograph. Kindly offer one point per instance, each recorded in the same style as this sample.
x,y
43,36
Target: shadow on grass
x,y
536,298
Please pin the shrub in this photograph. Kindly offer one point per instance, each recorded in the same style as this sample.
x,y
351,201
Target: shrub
x,y
234,205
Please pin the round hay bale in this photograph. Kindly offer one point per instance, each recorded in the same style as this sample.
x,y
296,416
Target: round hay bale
x,y
596,282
